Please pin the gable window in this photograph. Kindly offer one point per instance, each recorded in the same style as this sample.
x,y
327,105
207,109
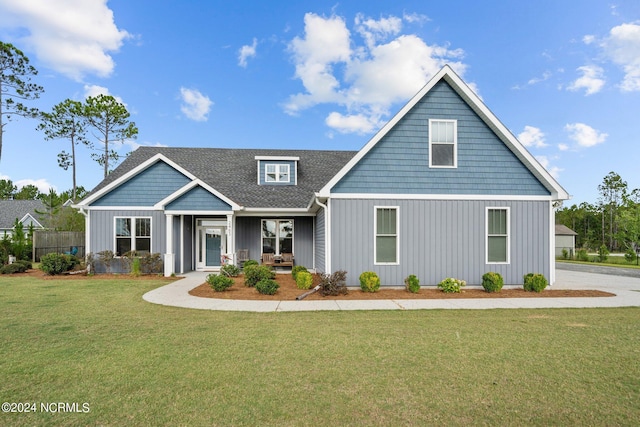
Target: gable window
x,y
386,235
277,236
132,234
274,172
443,143
497,235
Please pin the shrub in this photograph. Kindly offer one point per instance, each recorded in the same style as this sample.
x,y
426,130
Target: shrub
x,y
255,273
296,269
369,281
151,263
565,254
304,280
333,284
249,263
267,286
630,255
135,267
582,255
603,253
106,257
16,267
54,263
492,282
219,283
230,270
535,282
412,284
451,285
27,264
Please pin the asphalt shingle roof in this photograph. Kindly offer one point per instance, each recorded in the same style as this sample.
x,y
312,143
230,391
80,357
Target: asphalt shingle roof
x,y
233,172
12,209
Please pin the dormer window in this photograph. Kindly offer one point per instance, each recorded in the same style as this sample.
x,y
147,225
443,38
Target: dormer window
x,y
276,172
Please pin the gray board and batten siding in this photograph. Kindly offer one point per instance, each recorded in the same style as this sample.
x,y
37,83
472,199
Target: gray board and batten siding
x,y
399,162
440,239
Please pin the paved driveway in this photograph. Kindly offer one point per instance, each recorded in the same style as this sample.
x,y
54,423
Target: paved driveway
x,y
580,276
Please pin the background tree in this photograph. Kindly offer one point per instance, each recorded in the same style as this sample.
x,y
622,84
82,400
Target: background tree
x,y
15,86
110,119
27,192
66,121
7,189
612,191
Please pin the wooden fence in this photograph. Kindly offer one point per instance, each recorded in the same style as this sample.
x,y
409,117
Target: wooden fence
x,y
71,242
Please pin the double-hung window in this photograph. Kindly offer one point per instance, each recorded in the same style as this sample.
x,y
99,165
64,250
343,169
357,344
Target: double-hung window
x,y
277,236
132,234
276,172
386,235
443,143
497,235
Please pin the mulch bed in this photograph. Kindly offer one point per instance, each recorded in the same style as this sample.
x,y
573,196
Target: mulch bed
x,y
289,291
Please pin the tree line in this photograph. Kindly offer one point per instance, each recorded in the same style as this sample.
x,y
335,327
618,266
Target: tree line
x,y
613,221
95,123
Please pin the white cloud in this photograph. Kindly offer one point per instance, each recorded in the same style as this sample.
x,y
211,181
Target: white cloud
x,y
532,137
246,52
363,79
195,105
95,90
546,163
622,46
415,18
563,147
42,184
73,37
584,135
591,80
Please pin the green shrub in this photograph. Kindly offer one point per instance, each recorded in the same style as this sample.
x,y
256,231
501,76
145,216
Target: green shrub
x,y
451,285
304,280
151,263
492,282
249,263
255,273
267,286
135,267
16,267
565,254
582,255
296,269
369,281
603,253
27,264
630,255
535,282
412,284
54,263
219,282
333,284
230,270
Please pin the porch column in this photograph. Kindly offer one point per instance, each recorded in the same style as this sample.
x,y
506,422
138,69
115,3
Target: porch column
x,y
231,241
169,257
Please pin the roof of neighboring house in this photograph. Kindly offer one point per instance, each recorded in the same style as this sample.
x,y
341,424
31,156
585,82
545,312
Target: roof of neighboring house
x,y
12,209
233,172
563,230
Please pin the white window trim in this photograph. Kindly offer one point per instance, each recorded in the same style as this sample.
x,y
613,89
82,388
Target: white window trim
x,y
486,235
455,144
375,235
277,237
133,232
278,171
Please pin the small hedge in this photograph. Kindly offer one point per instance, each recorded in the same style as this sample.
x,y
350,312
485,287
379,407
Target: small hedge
x,y
249,263
267,286
369,281
492,282
412,284
451,285
255,273
297,269
230,270
304,280
16,267
219,282
54,263
535,282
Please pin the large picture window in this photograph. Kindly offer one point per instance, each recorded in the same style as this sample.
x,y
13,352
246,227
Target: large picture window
x,y
497,235
132,234
277,236
386,232
443,143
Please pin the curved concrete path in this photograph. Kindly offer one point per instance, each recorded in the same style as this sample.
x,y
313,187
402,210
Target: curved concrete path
x,y
627,290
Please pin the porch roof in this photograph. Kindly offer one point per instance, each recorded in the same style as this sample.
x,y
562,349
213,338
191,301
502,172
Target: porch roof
x,y
232,172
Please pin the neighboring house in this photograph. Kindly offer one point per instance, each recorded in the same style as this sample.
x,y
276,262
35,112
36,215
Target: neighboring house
x,y
22,210
565,239
444,189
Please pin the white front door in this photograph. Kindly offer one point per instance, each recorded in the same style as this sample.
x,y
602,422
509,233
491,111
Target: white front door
x,y
211,245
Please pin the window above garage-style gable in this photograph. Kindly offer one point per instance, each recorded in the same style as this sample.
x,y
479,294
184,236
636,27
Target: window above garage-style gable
x,y
277,170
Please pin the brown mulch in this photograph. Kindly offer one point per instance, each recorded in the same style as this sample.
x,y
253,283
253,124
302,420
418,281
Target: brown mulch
x,y
39,274
289,291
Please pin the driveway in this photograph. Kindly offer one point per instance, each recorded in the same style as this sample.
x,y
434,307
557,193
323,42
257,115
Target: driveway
x,y
598,269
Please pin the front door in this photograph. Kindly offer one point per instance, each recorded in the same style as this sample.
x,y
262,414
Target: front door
x,y
210,246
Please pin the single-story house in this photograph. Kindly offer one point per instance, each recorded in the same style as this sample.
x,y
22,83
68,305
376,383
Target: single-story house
x,y
22,210
444,189
565,240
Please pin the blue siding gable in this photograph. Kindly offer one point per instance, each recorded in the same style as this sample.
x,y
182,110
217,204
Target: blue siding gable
x,y
146,188
292,171
198,199
399,162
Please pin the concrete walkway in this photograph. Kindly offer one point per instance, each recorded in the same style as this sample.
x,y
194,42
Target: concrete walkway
x,y
627,290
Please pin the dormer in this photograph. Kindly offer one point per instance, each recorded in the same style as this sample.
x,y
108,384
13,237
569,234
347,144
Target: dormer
x,y
277,170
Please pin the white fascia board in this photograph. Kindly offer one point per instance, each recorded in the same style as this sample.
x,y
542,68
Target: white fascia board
x,y
203,213
186,188
133,172
281,158
118,208
274,211
34,221
379,196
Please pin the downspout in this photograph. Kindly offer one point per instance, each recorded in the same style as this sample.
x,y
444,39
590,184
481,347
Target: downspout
x,y
87,234
327,234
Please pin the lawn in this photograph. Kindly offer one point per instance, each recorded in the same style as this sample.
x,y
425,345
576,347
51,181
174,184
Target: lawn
x,y
95,341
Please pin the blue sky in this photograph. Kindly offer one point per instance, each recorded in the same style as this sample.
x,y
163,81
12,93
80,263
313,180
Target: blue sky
x,y
563,76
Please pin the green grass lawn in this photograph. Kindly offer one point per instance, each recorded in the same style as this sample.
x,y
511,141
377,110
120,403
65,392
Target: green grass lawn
x,y
134,363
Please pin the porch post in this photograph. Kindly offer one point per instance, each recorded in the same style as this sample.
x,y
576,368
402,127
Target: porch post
x,y
231,241
169,257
